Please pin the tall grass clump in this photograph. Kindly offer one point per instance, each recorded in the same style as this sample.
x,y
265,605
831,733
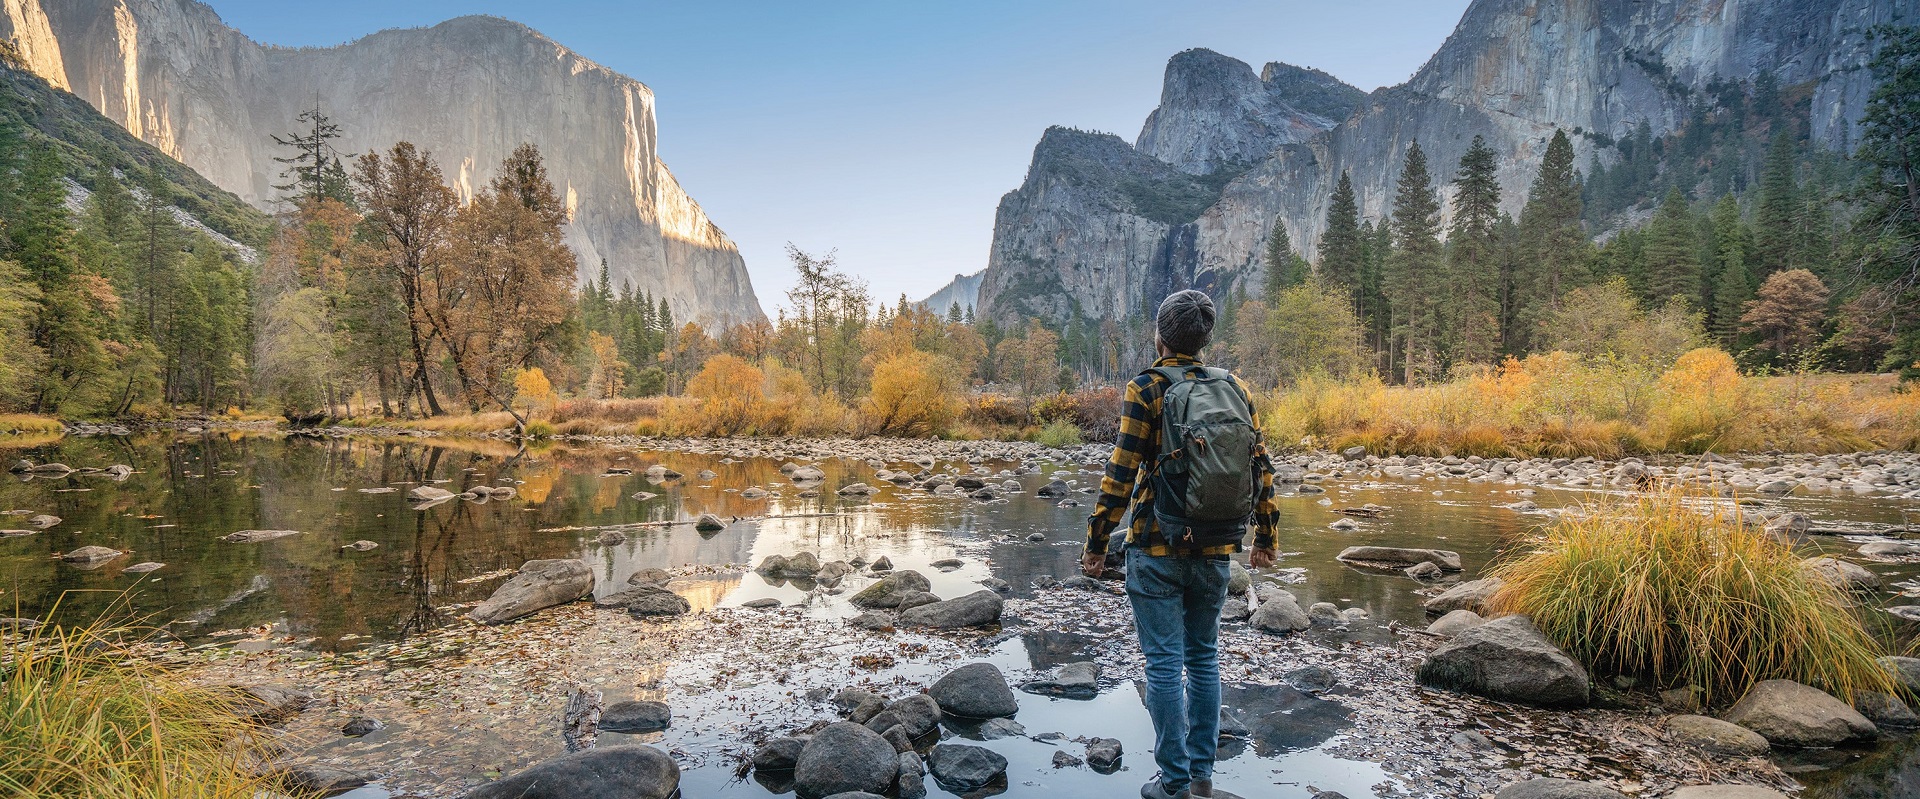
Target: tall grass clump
x,y
28,424
1675,588
85,719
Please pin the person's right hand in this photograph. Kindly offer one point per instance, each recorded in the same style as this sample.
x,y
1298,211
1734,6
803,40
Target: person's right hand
x,y
1093,565
1261,558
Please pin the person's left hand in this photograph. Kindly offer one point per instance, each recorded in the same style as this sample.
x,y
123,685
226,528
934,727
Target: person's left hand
x,y
1093,565
1261,558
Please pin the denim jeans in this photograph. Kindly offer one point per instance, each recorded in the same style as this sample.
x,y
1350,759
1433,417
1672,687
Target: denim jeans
x,y
1176,610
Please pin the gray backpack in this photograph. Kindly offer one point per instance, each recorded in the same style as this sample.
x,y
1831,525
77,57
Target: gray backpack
x,y
1204,478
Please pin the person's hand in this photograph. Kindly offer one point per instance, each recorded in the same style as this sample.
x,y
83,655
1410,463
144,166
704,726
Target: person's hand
x,y
1093,565
1261,558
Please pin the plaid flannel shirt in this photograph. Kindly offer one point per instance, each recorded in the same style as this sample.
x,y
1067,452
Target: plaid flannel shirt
x,y
1125,485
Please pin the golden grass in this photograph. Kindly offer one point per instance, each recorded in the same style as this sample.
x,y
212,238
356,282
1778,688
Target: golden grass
x,y
85,719
1679,589
1559,405
12,424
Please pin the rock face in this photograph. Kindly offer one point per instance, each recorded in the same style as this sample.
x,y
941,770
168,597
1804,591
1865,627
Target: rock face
x,y
541,584
607,772
1508,658
1067,242
468,90
1787,713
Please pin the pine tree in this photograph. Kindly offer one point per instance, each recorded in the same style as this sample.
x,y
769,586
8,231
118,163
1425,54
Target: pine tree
x,y
1732,286
314,171
1341,250
1473,280
954,314
1554,245
1414,278
1671,259
1284,267
1774,240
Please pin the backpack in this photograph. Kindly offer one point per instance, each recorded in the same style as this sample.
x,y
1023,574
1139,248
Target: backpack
x,y
1204,478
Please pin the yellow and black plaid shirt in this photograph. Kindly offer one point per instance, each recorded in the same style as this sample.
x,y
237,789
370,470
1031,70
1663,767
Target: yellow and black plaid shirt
x,y
1125,484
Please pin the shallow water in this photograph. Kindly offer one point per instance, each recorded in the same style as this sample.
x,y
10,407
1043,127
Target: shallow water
x,y
191,490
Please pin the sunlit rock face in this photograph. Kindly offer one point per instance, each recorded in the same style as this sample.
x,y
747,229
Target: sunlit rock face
x,y
1513,71
468,90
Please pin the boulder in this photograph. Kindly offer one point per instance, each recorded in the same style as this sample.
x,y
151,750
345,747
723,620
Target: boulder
x,y
1842,574
318,779
804,564
1239,580
429,494
42,521
914,600
1554,788
1103,754
709,523
1424,570
881,564
890,589
1054,490
636,716
973,610
754,492
1400,557
1885,710
833,571
917,714
539,585
962,768
255,536
91,555
771,566
912,780
1325,614
807,474
855,490
361,727
1715,737
1279,613
1726,792
779,754
1508,658
1788,713
605,772
975,691
1906,671
1455,622
842,757
656,578
268,704
645,601
1078,680
1471,595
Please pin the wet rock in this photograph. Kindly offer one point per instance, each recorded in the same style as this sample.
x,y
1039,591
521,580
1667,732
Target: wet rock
x,y
833,571
1726,792
1455,622
1789,524
539,585
997,586
914,600
16,533
1233,726
1325,614
918,714
912,780
707,474
91,555
317,779
856,795
143,568
1554,788
1775,487
754,492
875,620
995,729
1063,760
807,474
859,705
1103,755
255,536
1423,570
656,578
1788,713
1508,658
897,735
973,610
42,521
1279,613
642,496
268,704
1905,671
21,467
888,592
1235,610
660,474
362,546
1400,557
771,566
881,564
1471,595
947,564
963,767
1054,490
644,602
1715,737
1078,680
612,538
1885,710
843,757
804,564
360,727
1312,679
636,716
1344,525
51,468
709,523
975,691
605,772
856,490
779,754
761,603
1842,574
429,494
1239,580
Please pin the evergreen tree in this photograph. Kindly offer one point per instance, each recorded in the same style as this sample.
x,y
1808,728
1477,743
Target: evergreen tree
x,y
1414,279
1732,285
314,171
1671,260
1774,239
954,315
1341,249
1890,217
1473,284
1284,267
1555,246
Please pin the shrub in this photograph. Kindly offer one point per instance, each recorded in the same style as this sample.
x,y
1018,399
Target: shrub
x,y
85,719
912,395
1677,588
1059,434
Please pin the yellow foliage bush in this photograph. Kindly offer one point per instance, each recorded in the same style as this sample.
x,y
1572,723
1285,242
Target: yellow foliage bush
x,y
914,394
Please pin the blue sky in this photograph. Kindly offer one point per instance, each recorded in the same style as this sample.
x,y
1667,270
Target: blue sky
x,y
889,130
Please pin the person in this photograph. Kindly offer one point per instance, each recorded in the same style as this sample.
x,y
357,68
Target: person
x,y
1177,581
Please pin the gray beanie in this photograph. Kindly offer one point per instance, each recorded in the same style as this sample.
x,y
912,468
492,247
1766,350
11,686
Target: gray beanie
x,y
1186,321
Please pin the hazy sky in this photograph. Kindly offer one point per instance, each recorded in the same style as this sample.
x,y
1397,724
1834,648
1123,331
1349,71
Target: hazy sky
x,y
889,130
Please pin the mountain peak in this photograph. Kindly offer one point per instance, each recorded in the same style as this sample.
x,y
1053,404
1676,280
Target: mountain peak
x,y
1215,113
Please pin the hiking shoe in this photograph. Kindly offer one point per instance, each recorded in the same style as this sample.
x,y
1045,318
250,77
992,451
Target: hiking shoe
x,y
1155,789
1200,789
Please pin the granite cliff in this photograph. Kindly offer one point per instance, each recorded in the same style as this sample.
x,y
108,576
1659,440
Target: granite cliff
x,y
1512,71
468,90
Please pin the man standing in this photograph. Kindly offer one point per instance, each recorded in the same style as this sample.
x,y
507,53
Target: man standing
x,y
1191,468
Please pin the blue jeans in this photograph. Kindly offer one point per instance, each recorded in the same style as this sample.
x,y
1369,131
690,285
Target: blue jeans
x,y
1176,609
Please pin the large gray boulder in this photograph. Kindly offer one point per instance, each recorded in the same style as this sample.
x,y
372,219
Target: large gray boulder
x,y
1508,658
541,584
1279,613
961,768
1788,713
1716,737
1844,575
843,757
779,754
889,590
1455,622
1885,710
916,715
1400,557
975,691
636,716
1905,671
1554,788
1471,595
973,610
605,772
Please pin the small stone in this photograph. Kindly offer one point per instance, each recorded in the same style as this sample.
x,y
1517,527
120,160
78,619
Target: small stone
x,y
709,522
1103,755
1455,622
761,603
1716,737
1554,788
963,767
362,726
143,568
1726,792
881,564
362,546
779,754
995,729
636,716
1063,760
1423,571
912,781
976,690
1312,679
